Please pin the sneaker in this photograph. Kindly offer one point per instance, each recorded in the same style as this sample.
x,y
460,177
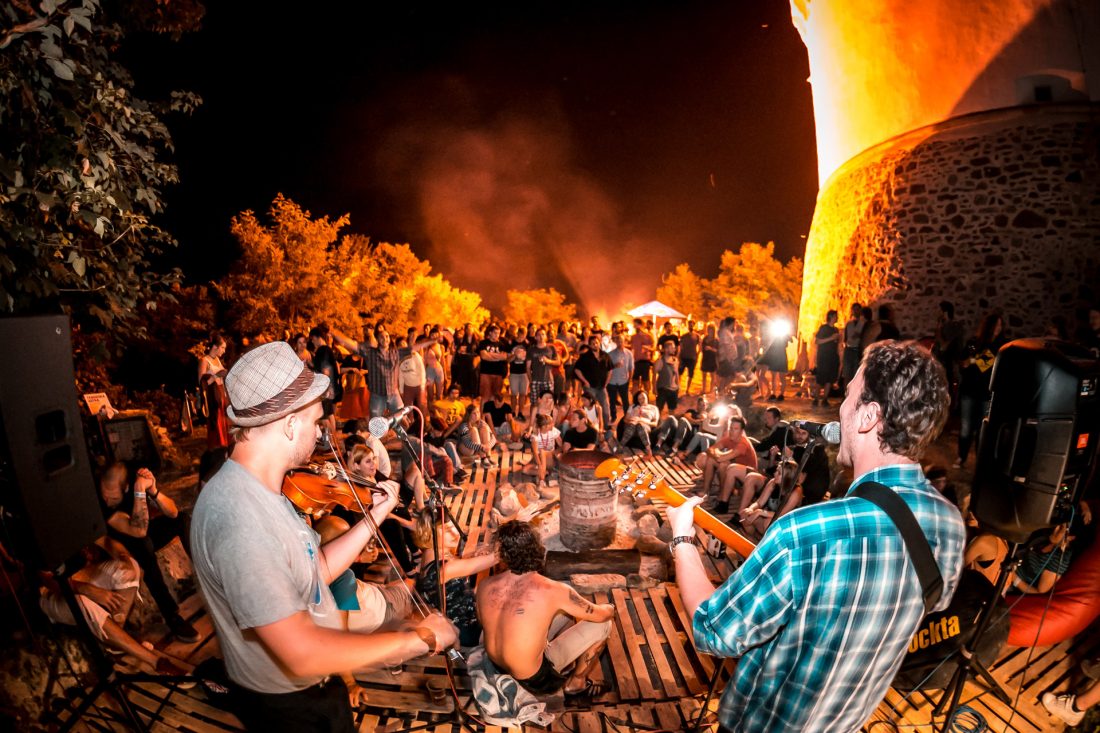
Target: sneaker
x,y
721,507
486,463
825,403
1091,668
461,475
183,631
779,398
515,446
1061,706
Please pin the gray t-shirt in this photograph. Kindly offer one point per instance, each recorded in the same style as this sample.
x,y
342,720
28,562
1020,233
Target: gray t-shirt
x,y
257,562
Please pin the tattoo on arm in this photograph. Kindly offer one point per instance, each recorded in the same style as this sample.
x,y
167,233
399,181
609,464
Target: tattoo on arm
x,y
576,598
139,518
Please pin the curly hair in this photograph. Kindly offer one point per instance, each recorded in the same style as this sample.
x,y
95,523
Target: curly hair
x,y
519,547
910,387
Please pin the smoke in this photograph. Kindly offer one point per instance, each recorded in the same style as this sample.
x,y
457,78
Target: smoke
x,y
504,204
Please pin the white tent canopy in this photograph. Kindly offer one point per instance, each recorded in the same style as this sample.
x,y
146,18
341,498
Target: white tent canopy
x,y
655,309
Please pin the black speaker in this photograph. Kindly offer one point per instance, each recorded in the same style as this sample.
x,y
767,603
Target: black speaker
x,y
46,482
1038,445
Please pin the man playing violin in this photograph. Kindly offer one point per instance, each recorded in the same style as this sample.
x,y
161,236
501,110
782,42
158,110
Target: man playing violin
x,y
264,572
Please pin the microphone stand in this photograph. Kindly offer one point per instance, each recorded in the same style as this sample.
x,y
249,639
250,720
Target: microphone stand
x,y
435,492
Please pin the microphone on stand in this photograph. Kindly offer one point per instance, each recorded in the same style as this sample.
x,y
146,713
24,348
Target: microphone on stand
x,y
829,432
379,426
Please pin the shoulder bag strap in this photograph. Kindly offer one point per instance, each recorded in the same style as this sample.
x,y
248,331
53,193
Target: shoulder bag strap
x,y
915,541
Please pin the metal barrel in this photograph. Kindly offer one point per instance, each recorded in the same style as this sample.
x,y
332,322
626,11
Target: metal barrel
x,y
587,503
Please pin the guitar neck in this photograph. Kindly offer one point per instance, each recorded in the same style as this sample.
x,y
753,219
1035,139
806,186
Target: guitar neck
x,y
738,542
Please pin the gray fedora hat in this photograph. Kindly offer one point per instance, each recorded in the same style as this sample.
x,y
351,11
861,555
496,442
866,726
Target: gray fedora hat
x,y
270,382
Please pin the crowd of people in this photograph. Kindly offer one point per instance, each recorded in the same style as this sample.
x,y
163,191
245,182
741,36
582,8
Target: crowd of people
x,y
295,616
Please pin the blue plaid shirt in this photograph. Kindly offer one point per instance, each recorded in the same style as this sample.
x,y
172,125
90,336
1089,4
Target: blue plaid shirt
x,y
822,612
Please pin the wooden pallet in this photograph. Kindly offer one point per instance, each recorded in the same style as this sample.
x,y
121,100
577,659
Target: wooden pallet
x,y
660,679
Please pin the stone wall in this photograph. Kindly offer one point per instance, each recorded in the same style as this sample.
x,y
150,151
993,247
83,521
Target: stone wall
x,y
994,210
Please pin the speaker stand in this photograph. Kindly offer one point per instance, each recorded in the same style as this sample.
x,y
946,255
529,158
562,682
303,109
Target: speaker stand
x,y
969,665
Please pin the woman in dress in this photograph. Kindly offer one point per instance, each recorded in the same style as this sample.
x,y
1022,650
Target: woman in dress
x,y
211,381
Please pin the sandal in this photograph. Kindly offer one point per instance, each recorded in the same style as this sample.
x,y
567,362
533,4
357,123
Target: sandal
x,y
589,692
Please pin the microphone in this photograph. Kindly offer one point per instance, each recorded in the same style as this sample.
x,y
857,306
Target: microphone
x,y
379,426
829,432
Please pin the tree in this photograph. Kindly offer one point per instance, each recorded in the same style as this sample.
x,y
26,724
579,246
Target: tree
x,y
390,283
541,305
289,273
81,164
685,291
381,277
437,301
752,280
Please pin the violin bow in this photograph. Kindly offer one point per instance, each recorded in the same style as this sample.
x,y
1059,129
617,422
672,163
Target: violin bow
x,y
419,602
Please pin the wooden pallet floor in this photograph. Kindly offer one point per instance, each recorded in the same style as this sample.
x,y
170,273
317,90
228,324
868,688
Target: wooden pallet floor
x,y
659,678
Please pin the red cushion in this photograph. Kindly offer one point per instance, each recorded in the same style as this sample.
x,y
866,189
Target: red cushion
x,y
1076,603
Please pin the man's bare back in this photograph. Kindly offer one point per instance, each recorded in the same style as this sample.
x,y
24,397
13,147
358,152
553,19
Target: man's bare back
x,y
516,612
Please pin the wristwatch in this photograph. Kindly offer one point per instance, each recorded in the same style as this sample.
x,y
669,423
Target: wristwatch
x,y
682,539
428,637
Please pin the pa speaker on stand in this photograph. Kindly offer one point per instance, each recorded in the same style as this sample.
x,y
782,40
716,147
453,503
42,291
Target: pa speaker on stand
x,y
45,477
1036,457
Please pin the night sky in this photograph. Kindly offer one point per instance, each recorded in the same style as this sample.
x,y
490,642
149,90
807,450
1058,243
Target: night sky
x,y
590,147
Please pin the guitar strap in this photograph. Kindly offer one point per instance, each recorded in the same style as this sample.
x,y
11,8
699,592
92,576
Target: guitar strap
x,y
920,552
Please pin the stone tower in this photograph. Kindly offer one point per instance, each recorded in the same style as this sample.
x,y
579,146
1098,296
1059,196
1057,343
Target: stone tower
x,y
958,157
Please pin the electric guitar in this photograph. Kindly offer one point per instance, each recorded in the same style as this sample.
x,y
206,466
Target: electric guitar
x,y
642,484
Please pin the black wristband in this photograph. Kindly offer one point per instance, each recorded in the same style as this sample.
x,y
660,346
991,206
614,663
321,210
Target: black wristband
x,y
682,539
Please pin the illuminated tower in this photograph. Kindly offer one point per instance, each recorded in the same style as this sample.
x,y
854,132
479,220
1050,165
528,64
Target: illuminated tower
x,y
958,151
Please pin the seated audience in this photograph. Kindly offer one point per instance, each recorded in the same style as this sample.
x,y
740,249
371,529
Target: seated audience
x,y
475,437
778,496
731,459
499,415
679,427
770,448
580,435
545,447
640,419
540,631
715,422
144,520
461,603
105,590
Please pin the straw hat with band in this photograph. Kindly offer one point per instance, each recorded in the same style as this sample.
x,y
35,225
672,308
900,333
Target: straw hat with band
x,y
271,382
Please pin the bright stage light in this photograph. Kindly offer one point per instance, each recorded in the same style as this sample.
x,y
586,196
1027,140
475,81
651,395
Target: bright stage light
x,y
719,410
779,328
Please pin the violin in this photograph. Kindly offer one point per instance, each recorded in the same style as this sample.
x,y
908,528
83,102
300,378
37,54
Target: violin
x,y
317,495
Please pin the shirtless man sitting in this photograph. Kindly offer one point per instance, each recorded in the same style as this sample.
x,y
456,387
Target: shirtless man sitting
x,y
540,631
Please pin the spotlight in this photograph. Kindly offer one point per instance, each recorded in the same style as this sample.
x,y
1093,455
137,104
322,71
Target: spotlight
x,y
720,410
779,328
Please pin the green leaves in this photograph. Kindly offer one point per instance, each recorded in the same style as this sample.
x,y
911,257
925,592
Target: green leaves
x,y
82,167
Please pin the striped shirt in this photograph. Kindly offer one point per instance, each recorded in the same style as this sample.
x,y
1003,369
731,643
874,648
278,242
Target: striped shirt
x,y
822,612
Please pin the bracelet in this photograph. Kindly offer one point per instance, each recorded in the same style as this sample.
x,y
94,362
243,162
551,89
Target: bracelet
x,y
682,540
139,494
426,636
